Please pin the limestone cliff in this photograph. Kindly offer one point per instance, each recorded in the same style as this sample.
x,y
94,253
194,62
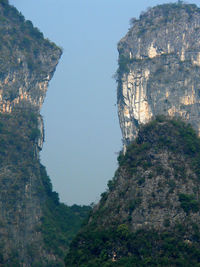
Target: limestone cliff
x,y
35,228
150,213
27,63
159,68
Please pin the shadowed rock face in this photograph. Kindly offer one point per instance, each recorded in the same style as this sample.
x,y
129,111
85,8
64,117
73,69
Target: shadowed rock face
x,y
159,68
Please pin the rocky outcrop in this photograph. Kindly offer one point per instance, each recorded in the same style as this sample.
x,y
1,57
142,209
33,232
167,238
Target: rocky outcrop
x,y
159,68
27,63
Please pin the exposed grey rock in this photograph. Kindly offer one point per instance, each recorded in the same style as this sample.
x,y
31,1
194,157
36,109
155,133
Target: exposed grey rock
x,y
159,68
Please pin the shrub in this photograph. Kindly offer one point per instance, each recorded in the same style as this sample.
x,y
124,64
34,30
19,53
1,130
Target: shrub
x,y
188,203
35,134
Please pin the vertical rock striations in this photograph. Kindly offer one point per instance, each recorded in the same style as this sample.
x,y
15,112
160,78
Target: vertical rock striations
x,y
159,68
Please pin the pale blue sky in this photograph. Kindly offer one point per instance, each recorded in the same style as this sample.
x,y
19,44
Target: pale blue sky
x,y
81,123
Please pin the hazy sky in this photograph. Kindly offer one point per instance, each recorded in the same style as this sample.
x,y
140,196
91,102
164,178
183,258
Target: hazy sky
x,y
80,114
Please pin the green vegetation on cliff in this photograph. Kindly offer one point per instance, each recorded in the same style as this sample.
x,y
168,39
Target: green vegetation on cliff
x,y
19,34
27,59
27,198
150,214
60,223
120,248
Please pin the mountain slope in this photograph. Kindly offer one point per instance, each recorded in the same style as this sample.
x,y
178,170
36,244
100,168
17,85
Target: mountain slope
x,y
150,214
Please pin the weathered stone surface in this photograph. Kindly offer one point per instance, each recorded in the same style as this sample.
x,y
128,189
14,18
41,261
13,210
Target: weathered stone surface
x,y
159,68
27,63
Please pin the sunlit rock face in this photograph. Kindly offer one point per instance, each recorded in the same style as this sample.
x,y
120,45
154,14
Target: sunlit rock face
x,y
159,68
27,63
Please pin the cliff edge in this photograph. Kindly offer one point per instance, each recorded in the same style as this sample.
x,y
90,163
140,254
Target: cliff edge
x,y
159,67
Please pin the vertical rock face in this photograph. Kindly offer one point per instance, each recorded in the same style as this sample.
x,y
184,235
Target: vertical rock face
x,y
35,228
159,68
27,63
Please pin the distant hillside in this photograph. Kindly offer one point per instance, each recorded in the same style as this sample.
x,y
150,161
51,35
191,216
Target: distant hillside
x,y
150,214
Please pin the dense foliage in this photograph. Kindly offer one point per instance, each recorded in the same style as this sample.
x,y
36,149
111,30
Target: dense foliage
x,y
19,35
174,135
165,13
18,137
60,222
119,247
107,242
